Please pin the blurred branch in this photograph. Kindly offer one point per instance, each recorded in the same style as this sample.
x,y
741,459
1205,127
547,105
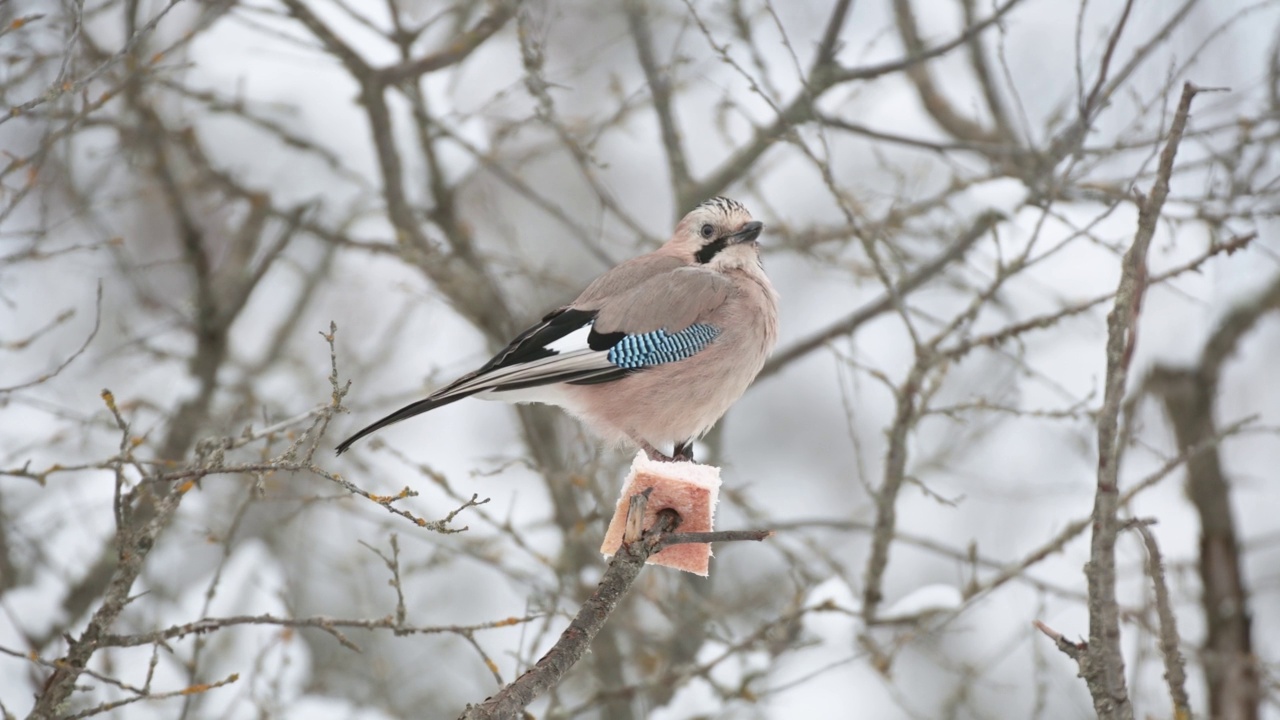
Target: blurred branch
x,y
1049,320
458,50
97,322
584,235
623,570
907,404
149,695
982,147
658,77
462,277
771,636
921,76
282,464
1232,329
830,44
143,513
1092,104
62,86
991,92
1076,527
135,694
1229,663
825,75
533,59
212,319
981,225
1188,396
1071,138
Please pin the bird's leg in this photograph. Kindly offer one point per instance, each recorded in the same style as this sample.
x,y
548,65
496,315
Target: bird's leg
x,y
683,451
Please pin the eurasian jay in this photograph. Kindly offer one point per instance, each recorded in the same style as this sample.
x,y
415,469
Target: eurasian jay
x,y
654,351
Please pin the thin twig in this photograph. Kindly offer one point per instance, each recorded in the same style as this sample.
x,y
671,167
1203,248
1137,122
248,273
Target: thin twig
x,y
97,322
885,303
63,87
1073,650
1175,667
327,624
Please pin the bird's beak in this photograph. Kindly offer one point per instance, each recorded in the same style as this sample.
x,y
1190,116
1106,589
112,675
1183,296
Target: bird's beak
x,y
748,233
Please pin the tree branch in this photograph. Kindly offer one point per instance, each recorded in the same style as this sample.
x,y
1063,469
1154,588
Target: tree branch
x,y
1175,668
457,51
1188,395
658,77
824,77
624,568
956,250
921,76
1102,665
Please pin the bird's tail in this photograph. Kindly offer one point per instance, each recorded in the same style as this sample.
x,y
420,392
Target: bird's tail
x,y
443,397
583,365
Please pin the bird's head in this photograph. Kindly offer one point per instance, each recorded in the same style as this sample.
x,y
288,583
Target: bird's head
x,y
718,234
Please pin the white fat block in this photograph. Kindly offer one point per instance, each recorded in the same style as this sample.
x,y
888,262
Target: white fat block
x,y
688,488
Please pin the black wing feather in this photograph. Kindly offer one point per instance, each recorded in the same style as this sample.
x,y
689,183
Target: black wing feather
x,y
532,344
528,346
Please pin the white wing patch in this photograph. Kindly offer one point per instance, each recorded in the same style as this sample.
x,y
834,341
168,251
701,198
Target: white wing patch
x,y
576,340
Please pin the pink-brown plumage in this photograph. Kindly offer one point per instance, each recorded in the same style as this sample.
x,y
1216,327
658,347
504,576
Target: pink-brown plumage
x,y
679,401
707,279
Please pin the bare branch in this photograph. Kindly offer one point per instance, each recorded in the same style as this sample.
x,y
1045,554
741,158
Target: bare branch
x,y
822,78
328,624
1049,320
660,88
1174,666
63,87
235,215
1102,665
921,75
97,322
457,51
1189,396
981,225
907,404
624,568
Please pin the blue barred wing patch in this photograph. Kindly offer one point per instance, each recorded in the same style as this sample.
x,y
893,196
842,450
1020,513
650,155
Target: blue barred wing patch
x,y
655,348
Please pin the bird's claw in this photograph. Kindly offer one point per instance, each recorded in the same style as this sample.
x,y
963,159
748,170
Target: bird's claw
x,y
683,452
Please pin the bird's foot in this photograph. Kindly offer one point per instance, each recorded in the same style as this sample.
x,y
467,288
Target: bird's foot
x,y
683,452
655,454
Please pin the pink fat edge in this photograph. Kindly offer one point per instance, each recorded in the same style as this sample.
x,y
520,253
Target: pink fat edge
x,y
688,488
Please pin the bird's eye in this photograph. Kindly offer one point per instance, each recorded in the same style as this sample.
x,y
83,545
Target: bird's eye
x,y
707,231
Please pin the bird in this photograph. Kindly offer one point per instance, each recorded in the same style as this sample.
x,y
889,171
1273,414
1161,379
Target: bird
x,y
653,352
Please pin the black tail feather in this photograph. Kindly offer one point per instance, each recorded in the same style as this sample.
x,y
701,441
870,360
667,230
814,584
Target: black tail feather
x,y
405,413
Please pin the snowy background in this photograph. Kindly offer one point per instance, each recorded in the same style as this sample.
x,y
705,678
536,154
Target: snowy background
x,y
1005,462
